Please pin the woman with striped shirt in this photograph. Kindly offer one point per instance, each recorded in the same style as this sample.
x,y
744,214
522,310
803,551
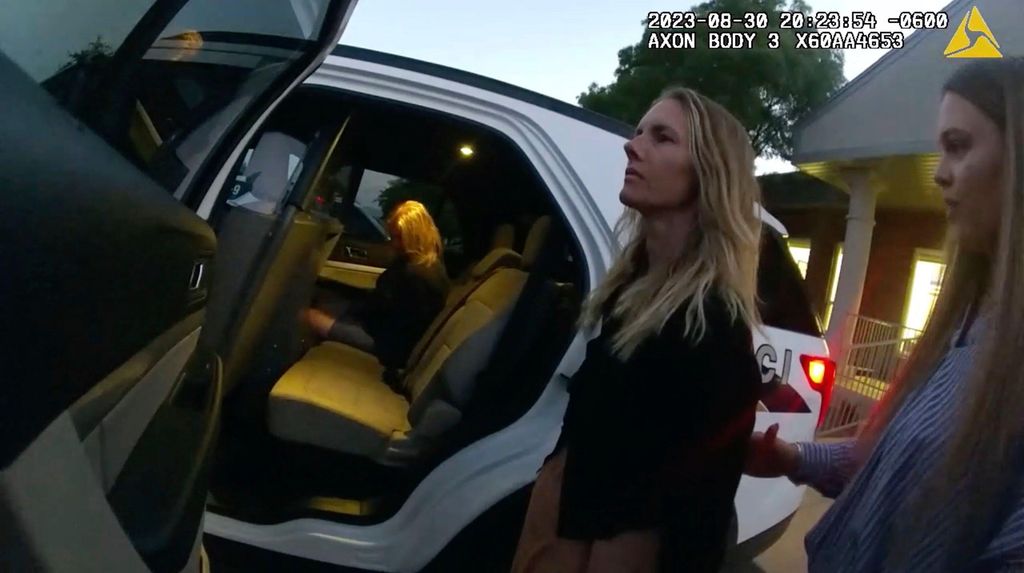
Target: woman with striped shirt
x,y
936,480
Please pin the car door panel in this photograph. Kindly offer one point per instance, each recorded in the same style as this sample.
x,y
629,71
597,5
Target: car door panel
x,y
376,253
36,497
356,276
114,435
108,406
363,250
361,253
357,263
160,494
106,281
104,269
89,411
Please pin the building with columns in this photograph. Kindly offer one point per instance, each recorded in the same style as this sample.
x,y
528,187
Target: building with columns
x,y
869,228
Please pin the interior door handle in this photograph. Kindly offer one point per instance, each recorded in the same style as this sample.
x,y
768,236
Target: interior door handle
x,y
356,253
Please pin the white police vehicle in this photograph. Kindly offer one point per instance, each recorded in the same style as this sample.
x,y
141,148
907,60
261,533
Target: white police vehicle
x,y
193,317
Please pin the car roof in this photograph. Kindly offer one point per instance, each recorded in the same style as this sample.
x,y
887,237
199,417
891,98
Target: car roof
x,y
576,112
586,116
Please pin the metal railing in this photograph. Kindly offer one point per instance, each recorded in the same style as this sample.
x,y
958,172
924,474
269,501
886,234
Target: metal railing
x,y
875,355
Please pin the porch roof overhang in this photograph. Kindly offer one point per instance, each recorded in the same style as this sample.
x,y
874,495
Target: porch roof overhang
x,y
883,121
798,191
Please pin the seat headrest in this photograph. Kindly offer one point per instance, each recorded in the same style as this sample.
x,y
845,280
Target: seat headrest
x,y
504,237
535,240
270,172
497,258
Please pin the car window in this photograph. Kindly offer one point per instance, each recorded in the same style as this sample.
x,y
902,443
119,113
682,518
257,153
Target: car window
x,y
76,35
162,100
781,291
378,194
368,213
388,191
448,224
361,225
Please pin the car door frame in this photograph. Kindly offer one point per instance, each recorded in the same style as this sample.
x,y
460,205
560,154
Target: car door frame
x,y
211,177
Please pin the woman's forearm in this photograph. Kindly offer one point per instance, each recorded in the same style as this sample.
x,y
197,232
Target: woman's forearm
x,y
825,467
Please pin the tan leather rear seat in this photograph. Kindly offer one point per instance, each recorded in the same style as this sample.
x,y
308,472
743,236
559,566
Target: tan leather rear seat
x,y
499,257
535,240
334,397
502,254
504,237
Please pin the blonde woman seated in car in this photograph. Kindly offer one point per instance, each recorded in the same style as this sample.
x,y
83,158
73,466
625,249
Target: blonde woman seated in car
x,y
407,297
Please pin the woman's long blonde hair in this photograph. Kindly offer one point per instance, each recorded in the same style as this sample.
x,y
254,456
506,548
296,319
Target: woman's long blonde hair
x,y
981,460
417,234
722,254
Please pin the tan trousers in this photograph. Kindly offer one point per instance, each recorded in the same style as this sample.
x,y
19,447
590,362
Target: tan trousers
x,y
542,551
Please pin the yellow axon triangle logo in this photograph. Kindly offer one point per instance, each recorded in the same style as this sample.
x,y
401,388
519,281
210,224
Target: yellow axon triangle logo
x,y
984,44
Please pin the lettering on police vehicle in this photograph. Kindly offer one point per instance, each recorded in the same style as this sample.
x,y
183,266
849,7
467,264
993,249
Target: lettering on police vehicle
x,y
776,393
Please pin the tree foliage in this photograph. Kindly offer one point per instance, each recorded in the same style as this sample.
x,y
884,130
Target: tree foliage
x,y
95,52
767,89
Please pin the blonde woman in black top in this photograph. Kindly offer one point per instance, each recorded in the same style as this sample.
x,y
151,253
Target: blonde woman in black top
x,y
407,297
661,411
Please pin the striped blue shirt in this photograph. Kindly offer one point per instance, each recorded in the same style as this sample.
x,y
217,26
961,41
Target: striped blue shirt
x,y
856,532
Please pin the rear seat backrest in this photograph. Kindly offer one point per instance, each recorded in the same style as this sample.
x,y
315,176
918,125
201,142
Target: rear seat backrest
x,y
504,237
270,172
499,257
488,303
458,295
535,241
502,254
496,259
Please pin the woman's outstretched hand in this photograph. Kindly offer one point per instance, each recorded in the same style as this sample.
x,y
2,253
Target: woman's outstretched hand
x,y
769,456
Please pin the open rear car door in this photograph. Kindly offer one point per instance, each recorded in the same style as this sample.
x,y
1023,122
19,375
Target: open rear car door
x,y
116,119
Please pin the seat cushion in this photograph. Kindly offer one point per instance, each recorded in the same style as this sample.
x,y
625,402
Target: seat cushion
x,y
334,398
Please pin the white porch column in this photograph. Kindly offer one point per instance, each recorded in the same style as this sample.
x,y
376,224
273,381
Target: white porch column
x,y
860,223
